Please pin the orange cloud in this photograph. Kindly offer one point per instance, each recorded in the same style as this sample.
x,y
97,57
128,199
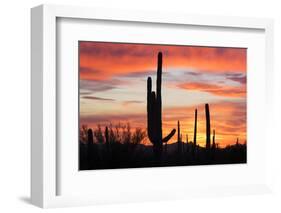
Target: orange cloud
x,y
219,90
101,60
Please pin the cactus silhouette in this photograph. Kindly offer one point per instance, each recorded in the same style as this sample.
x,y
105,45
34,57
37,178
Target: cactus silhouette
x,y
195,128
237,141
214,140
154,112
208,127
179,138
179,132
90,150
182,143
187,143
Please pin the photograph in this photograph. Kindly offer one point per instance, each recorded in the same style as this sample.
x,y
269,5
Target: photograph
x,y
160,105
167,105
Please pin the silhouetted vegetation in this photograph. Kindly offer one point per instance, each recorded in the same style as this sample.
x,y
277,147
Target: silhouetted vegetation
x,y
117,146
120,147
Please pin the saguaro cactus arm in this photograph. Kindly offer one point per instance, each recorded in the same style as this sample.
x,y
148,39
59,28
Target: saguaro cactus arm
x,y
169,136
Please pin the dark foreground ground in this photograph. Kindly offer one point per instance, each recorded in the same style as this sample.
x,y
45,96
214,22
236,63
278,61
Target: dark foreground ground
x,y
117,155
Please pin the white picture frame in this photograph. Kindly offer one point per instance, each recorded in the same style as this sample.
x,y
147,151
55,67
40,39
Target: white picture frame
x,y
44,154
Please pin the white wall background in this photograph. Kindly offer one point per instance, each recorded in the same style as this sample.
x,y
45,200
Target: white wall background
x,y
15,104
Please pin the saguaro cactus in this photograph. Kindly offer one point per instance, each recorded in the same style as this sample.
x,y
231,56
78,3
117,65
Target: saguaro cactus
x,y
179,132
90,150
214,140
154,112
237,141
195,128
187,143
179,138
182,143
208,127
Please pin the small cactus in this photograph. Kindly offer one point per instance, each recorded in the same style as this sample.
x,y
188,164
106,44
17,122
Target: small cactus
x,y
214,140
187,143
179,132
90,149
179,138
237,141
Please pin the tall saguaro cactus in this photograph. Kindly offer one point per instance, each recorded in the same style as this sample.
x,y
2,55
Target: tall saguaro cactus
x,y
195,128
208,127
154,112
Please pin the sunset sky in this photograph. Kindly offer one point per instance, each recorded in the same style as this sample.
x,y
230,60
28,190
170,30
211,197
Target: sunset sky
x,y
113,87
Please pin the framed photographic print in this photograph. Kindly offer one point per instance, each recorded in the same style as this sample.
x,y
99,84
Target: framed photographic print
x,y
148,106
125,124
